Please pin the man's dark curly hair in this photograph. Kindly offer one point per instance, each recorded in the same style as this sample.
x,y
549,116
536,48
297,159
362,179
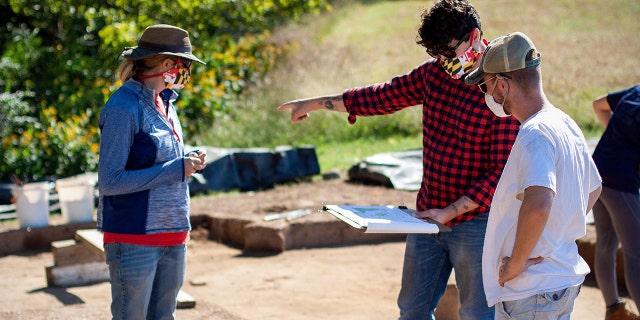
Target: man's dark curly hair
x,y
445,21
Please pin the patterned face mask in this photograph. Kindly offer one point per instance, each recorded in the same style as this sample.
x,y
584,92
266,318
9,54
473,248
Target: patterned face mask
x,y
176,78
460,66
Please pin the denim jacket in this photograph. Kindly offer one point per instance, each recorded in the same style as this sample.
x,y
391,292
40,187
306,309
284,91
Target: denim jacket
x,y
141,181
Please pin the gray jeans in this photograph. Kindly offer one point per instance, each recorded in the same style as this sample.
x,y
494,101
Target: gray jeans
x,y
617,220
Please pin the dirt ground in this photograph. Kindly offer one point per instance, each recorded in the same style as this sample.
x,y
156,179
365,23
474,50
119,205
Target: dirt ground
x,y
342,282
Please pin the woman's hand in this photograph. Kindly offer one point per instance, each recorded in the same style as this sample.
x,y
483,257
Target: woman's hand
x,y
194,161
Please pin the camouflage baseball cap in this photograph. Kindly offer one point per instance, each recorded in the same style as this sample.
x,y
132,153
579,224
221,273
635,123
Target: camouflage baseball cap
x,y
505,54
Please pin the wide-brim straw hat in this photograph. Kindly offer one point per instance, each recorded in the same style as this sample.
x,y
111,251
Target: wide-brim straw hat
x,y
162,39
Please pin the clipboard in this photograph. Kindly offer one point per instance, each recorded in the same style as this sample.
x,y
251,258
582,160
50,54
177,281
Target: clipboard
x,y
384,219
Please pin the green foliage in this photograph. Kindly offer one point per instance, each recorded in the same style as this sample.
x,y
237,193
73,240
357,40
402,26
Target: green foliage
x,y
585,55
59,60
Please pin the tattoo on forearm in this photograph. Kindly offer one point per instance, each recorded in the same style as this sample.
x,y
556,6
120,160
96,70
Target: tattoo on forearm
x,y
467,204
329,103
455,208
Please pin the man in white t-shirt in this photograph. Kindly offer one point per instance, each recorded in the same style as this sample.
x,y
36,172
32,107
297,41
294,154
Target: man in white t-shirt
x,y
530,262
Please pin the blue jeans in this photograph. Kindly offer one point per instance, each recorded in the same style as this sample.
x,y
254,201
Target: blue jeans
x,y
428,261
555,305
145,280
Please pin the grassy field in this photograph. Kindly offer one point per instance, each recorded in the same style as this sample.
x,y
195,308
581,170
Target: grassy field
x,y
587,50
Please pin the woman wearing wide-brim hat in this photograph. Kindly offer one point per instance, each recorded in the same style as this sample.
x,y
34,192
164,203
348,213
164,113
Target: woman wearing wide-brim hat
x,y
143,176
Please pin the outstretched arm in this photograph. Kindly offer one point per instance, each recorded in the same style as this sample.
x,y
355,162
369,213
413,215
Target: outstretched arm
x,y
300,109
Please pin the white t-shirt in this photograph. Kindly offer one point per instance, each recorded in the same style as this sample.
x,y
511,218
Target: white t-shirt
x,y
550,151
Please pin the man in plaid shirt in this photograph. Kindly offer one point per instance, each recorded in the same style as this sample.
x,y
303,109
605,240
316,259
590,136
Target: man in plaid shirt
x,y
465,147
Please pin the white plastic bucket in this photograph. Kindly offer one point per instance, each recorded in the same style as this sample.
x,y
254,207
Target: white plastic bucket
x,y
76,196
32,204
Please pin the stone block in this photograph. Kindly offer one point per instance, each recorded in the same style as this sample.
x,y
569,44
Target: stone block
x,y
77,274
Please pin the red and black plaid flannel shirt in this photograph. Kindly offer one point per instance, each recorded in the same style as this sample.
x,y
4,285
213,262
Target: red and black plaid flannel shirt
x,y
465,146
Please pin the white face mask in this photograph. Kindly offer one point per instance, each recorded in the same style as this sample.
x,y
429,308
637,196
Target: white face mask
x,y
495,107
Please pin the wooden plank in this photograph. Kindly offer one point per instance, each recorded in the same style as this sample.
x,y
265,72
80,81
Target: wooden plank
x,y
7,208
185,301
69,252
93,239
7,216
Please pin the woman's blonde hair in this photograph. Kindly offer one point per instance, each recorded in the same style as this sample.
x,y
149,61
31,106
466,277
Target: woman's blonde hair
x,y
130,68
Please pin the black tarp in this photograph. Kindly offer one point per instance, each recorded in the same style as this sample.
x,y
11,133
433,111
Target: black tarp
x,y
399,170
253,168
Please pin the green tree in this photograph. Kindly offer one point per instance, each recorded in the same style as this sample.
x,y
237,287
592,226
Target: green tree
x,y
58,63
